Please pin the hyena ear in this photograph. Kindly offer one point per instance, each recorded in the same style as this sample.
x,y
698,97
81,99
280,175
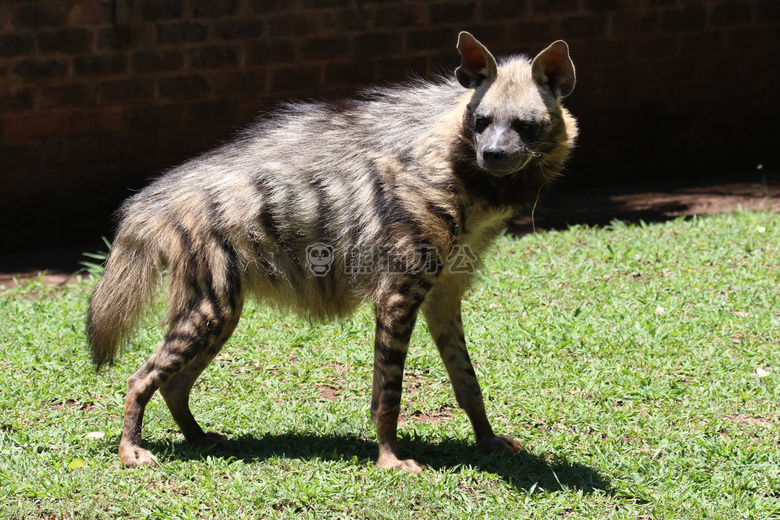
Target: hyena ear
x,y
553,67
477,64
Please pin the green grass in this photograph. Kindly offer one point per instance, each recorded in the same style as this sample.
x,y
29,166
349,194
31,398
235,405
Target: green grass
x,y
638,365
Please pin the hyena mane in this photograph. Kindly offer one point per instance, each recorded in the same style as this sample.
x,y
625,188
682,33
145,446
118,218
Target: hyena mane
x,y
323,205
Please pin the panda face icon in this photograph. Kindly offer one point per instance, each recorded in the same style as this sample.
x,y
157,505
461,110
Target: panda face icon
x,y
319,258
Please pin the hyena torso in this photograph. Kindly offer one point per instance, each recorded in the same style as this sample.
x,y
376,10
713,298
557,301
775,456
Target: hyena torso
x,y
391,198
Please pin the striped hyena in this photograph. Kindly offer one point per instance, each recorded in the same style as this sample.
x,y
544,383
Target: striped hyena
x,y
391,197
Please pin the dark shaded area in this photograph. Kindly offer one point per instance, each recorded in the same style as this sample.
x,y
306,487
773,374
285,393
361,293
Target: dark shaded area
x,y
651,201
522,470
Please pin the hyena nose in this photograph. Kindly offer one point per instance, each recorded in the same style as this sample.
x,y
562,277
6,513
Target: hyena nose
x,y
494,155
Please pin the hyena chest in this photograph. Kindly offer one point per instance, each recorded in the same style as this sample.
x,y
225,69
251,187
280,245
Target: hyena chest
x,y
465,257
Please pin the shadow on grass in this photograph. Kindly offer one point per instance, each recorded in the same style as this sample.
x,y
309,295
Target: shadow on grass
x,y
523,471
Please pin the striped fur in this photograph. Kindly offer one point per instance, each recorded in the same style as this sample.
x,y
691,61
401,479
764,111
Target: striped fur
x,y
387,192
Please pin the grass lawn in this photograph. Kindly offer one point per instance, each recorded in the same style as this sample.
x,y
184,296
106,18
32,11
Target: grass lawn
x,y
638,365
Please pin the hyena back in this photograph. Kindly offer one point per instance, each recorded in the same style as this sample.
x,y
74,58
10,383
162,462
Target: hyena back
x,y
323,206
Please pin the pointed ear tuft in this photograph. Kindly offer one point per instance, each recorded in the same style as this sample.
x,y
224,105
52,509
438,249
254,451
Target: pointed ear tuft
x,y
553,67
477,64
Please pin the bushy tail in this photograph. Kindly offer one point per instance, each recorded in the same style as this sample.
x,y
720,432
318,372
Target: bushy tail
x,y
123,293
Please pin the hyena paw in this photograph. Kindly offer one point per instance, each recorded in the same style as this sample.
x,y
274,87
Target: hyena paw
x,y
499,443
208,439
134,456
391,462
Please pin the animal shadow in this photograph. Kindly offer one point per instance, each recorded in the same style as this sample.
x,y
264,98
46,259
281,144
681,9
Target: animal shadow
x,y
524,471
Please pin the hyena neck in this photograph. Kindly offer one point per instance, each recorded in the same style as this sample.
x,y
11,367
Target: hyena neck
x,y
511,193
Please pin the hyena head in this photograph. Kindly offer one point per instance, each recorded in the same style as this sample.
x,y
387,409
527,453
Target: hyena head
x,y
515,117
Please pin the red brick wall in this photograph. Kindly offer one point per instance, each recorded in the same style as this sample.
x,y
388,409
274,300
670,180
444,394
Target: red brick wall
x,y
93,102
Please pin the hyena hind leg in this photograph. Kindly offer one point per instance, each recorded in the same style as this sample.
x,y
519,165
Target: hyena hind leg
x,y
446,326
395,320
189,346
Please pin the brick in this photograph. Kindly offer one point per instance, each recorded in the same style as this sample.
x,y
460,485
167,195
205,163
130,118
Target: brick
x,y
270,52
217,56
100,64
751,38
74,95
18,158
95,122
400,16
555,7
532,32
676,69
655,48
353,19
16,99
126,90
731,13
601,6
270,6
157,61
34,127
67,41
89,12
713,66
431,39
702,42
80,151
211,112
688,18
39,15
180,143
760,64
635,23
181,32
375,44
452,12
600,52
229,84
296,78
503,10
112,39
492,35
40,69
16,45
213,8
402,69
155,10
150,117
768,11
235,29
323,48
290,25
583,27
352,73
377,2
193,86
321,4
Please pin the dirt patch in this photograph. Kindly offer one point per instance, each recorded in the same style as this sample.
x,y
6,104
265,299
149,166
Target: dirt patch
x,y
328,392
750,420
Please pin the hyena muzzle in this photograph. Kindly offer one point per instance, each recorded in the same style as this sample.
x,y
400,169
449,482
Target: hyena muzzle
x,y
391,197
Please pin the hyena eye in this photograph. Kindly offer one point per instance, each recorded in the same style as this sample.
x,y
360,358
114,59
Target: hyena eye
x,y
526,129
481,124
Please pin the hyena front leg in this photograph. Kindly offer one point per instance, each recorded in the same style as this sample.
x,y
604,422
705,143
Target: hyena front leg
x,y
190,344
442,314
396,315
